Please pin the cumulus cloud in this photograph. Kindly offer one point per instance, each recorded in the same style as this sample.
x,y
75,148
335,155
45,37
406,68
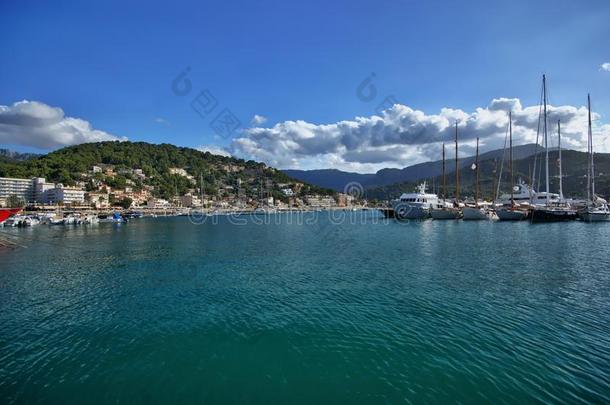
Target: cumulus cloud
x,y
35,124
401,136
258,120
605,66
214,150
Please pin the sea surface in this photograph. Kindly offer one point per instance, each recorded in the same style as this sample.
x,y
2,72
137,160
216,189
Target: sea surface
x,y
289,308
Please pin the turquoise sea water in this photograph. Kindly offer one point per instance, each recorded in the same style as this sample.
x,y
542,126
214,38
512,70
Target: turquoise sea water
x,y
362,311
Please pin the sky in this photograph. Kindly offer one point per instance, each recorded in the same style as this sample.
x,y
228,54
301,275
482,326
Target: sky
x,y
352,85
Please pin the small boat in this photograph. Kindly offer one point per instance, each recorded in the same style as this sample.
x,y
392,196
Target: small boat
x,y
512,213
599,212
6,213
14,221
445,210
30,221
90,220
478,212
115,218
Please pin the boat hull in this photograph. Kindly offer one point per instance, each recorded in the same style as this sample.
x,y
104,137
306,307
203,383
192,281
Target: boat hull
x,y
474,214
595,216
445,213
507,214
406,211
553,215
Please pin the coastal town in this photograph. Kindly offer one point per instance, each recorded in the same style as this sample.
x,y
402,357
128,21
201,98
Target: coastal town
x,y
105,188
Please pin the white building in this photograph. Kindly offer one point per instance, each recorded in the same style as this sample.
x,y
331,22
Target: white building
x,y
21,188
64,195
40,188
157,203
320,201
288,192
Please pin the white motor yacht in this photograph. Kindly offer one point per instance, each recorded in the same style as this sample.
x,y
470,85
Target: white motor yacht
x,y
416,205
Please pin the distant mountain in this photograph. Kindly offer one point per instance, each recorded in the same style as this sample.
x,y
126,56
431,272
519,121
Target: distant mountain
x,y
574,177
337,179
8,154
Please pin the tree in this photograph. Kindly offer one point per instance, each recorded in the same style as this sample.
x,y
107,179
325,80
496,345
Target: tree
x,y
125,203
14,201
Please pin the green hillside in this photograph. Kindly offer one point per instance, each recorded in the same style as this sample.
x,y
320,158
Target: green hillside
x,y
219,172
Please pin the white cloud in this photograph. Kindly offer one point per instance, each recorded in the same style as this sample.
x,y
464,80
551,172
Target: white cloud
x,y
35,124
605,66
258,120
214,150
162,121
402,136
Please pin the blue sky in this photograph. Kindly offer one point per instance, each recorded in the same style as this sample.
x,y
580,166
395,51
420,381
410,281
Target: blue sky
x,y
112,63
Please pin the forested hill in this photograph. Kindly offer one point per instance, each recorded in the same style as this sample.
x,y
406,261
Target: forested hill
x,y
68,165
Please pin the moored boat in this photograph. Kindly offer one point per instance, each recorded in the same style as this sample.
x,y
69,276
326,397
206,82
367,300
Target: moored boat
x,y
511,210
551,211
6,213
415,205
596,213
596,208
477,211
444,209
512,213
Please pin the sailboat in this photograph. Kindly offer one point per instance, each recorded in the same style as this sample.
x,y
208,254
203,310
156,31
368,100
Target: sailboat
x,y
597,208
551,211
512,211
477,211
443,208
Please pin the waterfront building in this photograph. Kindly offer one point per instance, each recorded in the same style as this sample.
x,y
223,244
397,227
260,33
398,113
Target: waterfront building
x,y
190,200
157,203
64,195
21,188
99,200
320,201
41,187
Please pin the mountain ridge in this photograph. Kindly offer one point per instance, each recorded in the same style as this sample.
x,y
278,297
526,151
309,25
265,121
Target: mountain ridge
x,y
337,180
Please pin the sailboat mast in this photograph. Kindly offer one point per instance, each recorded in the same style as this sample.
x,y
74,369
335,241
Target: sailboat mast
x,y
510,141
457,168
560,171
476,187
444,181
592,168
494,195
546,140
201,187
